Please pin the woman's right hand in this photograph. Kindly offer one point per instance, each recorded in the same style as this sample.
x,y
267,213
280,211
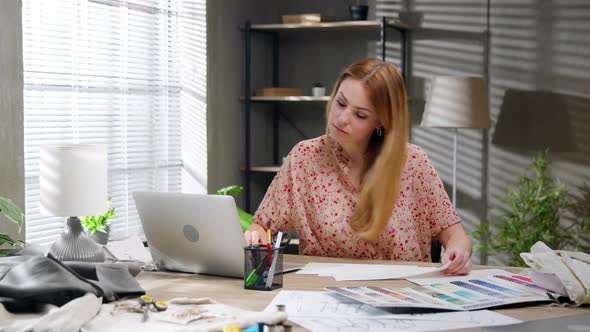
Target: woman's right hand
x,y
255,234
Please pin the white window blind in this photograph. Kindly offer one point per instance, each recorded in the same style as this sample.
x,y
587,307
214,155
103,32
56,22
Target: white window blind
x,y
108,72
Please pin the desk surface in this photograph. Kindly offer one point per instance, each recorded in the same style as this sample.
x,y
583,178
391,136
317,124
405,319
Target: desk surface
x,y
230,291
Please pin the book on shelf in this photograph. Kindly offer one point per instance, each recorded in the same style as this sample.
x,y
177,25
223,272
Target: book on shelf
x,y
481,289
305,18
276,92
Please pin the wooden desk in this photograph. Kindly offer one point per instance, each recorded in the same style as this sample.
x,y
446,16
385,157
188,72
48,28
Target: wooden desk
x,y
230,291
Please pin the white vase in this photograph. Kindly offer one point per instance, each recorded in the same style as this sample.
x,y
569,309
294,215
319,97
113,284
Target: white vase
x,y
318,91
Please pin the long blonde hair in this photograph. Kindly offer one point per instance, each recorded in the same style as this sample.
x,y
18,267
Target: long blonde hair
x,y
386,154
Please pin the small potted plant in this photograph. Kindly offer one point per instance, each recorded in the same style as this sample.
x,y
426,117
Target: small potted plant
x,y
359,11
14,214
535,205
318,90
99,226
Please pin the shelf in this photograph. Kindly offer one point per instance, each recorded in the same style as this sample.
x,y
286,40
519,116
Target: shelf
x,y
289,99
373,25
306,99
380,28
263,169
375,28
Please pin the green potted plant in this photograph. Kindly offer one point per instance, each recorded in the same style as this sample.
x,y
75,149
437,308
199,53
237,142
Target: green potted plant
x,y
359,11
245,217
536,205
14,214
99,226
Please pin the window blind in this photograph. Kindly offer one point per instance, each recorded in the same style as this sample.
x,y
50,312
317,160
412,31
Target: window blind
x,y
107,72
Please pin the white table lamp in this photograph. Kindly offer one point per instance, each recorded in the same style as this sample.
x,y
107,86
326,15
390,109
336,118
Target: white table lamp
x,y
73,183
457,102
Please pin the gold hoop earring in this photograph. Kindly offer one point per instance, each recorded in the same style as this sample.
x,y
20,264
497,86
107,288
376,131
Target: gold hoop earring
x,y
379,132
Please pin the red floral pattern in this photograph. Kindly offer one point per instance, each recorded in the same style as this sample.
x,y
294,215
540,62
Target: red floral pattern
x,y
313,195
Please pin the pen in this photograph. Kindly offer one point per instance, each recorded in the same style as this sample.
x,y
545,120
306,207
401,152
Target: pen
x,y
273,266
268,247
256,273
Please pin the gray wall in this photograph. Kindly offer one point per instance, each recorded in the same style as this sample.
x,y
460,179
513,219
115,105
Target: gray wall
x,y
542,48
225,85
11,110
535,46
304,59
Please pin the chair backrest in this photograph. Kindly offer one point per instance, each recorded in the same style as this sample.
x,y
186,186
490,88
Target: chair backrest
x,y
435,251
435,248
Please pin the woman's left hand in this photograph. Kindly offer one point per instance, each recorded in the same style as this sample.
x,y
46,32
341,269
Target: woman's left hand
x,y
460,261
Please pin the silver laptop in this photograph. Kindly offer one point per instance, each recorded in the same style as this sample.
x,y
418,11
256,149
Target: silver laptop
x,y
192,233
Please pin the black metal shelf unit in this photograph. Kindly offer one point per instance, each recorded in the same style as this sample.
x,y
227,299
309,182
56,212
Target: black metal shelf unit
x,y
380,26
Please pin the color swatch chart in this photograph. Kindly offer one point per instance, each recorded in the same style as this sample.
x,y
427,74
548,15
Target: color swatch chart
x,y
480,289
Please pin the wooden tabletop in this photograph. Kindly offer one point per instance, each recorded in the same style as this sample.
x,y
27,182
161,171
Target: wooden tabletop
x,y
230,291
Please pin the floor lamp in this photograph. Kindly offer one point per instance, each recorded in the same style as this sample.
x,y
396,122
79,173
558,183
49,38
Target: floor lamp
x,y
456,102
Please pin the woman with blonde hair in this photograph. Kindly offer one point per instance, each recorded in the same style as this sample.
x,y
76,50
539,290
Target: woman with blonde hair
x,y
361,190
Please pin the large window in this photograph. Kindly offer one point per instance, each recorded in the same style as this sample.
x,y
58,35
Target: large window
x,y
128,74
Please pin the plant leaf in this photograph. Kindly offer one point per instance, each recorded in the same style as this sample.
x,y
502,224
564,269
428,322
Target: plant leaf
x,y
230,190
11,211
6,239
98,223
245,219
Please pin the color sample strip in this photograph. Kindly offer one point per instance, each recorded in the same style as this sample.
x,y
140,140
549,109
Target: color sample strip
x,y
440,296
420,296
523,278
379,297
478,289
396,295
457,291
352,295
497,287
520,282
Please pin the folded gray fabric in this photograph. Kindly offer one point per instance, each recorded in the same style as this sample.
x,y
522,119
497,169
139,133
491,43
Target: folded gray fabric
x,y
26,281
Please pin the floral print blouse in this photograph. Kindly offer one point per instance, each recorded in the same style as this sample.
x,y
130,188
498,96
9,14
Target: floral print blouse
x,y
314,196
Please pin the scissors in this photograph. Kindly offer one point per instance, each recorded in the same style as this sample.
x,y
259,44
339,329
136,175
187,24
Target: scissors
x,y
147,302
284,240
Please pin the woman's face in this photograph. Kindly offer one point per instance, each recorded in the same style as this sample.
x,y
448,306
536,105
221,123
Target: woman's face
x,y
352,118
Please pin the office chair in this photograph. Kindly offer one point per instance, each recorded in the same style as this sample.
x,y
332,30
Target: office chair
x,y
435,248
435,251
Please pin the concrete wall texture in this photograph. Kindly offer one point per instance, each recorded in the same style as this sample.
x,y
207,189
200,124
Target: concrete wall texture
x,y
531,53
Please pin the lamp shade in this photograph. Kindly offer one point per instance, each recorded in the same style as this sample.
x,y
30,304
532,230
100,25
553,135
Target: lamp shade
x,y
73,180
457,102
527,118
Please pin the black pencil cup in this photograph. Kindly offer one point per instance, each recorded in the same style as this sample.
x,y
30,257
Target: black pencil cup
x,y
263,268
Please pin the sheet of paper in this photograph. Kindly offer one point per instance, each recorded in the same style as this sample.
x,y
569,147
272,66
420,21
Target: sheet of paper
x,y
321,311
129,249
347,272
322,304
